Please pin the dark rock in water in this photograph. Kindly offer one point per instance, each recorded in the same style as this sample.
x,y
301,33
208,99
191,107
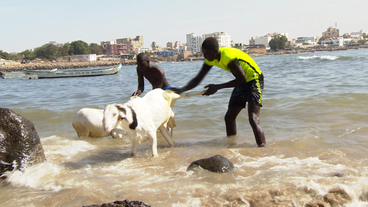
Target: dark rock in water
x,y
20,145
215,163
125,203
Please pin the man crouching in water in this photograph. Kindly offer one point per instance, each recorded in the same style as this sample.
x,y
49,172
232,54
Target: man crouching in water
x,y
153,73
248,85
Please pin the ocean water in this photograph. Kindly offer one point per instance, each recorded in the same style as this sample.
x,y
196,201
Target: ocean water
x,y
314,116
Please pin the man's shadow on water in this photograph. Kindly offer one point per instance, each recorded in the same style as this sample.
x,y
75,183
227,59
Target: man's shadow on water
x,y
103,156
120,154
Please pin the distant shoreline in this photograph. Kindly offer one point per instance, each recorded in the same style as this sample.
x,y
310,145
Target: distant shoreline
x,y
10,67
16,66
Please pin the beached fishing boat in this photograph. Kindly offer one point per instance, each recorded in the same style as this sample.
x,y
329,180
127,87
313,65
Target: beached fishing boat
x,y
80,72
16,74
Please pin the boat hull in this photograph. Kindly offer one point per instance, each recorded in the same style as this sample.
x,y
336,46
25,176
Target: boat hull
x,y
67,73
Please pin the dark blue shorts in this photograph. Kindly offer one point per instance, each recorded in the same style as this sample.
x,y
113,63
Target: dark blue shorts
x,y
250,91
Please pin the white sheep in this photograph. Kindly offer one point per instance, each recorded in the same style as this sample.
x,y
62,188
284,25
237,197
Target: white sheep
x,y
88,123
142,117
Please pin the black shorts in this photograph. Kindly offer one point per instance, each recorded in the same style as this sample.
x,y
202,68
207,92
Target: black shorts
x,y
249,91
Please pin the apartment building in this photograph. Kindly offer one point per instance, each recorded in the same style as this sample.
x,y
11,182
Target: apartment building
x,y
112,48
331,32
223,38
137,42
194,43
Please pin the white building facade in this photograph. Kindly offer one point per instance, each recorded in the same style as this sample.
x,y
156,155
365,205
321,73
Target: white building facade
x,y
306,40
223,38
336,41
264,40
194,43
79,58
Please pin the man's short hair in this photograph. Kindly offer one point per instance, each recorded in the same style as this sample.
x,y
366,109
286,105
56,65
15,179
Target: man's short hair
x,y
142,57
210,43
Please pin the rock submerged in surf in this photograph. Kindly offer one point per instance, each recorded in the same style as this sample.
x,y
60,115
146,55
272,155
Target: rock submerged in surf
x,y
215,163
124,203
20,145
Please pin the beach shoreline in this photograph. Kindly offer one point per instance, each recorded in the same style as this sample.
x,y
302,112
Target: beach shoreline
x,y
47,65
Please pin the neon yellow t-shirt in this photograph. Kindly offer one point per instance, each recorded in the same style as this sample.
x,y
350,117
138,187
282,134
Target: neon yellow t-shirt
x,y
251,69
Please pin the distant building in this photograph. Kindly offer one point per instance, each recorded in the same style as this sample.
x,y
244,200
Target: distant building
x,y
356,35
306,40
223,38
194,43
112,48
140,50
336,41
78,58
264,40
186,54
165,53
331,32
137,42
257,49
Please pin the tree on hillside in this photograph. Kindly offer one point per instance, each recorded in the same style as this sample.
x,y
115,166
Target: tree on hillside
x,y
79,47
153,45
96,49
10,56
4,55
278,42
47,51
28,55
64,50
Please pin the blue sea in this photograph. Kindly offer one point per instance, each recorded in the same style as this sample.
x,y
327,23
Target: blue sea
x,y
314,116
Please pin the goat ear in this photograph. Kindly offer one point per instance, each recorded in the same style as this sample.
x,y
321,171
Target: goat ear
x,y
121,108
123,112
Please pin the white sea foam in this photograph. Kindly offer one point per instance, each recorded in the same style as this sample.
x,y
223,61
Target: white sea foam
x,y
55,145
42,176
323,57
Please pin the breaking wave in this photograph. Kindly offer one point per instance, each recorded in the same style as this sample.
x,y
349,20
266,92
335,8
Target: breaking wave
x,y
324,57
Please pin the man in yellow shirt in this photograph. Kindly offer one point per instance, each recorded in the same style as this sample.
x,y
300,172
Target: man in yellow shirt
x,y
248,85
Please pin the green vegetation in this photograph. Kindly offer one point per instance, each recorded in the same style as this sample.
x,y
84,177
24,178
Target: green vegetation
x,y
51,52
362,42
278,42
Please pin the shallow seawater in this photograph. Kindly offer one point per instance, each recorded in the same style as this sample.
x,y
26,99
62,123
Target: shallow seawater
x,y
314,116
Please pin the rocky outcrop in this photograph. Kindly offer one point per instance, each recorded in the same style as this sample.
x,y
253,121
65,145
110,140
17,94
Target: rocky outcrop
x,y
20,145
125,203
215,163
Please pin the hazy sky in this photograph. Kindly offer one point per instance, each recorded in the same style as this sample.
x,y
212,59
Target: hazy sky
x,y
29,24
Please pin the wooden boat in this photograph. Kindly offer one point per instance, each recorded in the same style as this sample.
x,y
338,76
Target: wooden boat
x,y
6,75
80,72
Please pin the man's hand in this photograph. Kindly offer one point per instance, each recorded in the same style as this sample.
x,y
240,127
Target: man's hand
x,y
212,88
137,93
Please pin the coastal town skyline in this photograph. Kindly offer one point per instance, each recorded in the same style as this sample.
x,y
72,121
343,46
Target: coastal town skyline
x,y
33,24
